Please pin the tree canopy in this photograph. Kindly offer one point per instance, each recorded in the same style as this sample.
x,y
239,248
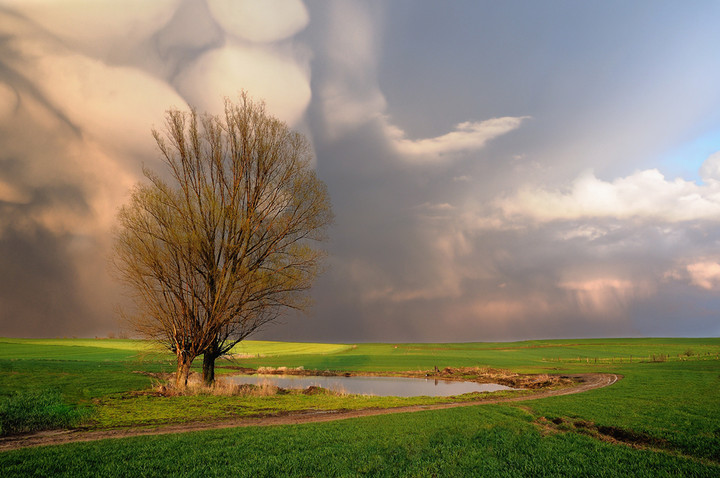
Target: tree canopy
x,y
226,240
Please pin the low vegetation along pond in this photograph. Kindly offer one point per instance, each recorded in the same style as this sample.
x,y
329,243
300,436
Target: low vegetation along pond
x,y
379,386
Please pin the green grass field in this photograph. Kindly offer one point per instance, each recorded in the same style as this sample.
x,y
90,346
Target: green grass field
x,y
661,419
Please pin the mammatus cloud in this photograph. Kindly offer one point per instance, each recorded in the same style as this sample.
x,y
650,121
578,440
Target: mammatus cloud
x,y
349,90
262,22
97,28
279,79
81,85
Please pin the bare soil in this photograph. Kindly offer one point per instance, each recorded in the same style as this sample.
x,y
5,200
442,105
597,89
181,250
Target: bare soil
x,y
583,383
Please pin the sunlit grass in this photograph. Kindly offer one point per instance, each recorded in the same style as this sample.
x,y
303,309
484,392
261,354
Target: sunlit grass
x,y
129,349
528,356
120,344
274,349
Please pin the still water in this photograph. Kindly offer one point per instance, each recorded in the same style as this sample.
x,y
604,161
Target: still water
x,y
380,386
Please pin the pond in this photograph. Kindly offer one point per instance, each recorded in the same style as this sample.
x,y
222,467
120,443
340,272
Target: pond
x,y
379,386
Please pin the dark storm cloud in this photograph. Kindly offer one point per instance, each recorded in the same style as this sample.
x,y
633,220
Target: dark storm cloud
x,y
40,288
515,238
40,293
498,171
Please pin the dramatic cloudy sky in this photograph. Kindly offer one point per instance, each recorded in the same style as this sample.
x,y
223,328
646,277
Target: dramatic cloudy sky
x,y
499,170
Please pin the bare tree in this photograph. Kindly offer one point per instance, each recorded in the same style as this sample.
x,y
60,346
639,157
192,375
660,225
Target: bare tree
x,y
229,243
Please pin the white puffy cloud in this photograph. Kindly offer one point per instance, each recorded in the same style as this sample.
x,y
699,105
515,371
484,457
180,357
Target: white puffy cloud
x,y
701,272
265,21
710,169
467,136
705,274
644,194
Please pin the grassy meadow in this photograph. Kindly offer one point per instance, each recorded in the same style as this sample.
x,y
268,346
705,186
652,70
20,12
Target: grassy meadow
x,y
661,419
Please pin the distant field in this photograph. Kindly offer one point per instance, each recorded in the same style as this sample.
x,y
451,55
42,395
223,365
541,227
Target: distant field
x,y
527,356
372,356
272,349
129,349
661,419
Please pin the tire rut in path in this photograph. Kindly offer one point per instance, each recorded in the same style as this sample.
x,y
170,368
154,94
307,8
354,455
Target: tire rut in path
x,y
588,381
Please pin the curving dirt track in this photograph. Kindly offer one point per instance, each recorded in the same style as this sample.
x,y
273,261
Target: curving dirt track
x,y
586,382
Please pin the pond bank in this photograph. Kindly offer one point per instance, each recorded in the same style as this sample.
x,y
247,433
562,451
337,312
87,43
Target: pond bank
x,y
583,383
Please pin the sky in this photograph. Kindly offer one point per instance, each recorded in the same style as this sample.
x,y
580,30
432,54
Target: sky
x,y
498,170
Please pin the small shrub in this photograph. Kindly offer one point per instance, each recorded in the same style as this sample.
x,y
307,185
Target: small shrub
x,y
31,411
658,358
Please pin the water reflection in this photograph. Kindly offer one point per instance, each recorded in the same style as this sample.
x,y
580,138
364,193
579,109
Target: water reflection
x,y
380,386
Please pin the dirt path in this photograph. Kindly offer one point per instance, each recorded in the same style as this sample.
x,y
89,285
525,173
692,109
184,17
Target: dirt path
x,y
588,381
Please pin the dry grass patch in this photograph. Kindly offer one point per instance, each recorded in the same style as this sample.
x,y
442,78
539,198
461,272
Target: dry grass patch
x,y
165,387
502,377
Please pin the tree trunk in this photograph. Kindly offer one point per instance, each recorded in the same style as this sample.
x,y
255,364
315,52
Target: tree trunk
x,y
208,368
209,357
184,361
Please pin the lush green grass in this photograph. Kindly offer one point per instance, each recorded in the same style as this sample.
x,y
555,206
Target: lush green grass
x,y
79,349
147,410
83,369
24,412
675,401
671,407
76,380
475,441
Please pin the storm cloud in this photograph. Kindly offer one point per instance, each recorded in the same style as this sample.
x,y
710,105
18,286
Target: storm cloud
x,y
497,171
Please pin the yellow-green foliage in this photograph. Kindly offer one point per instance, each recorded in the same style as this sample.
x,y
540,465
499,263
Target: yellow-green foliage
x,y
120,344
